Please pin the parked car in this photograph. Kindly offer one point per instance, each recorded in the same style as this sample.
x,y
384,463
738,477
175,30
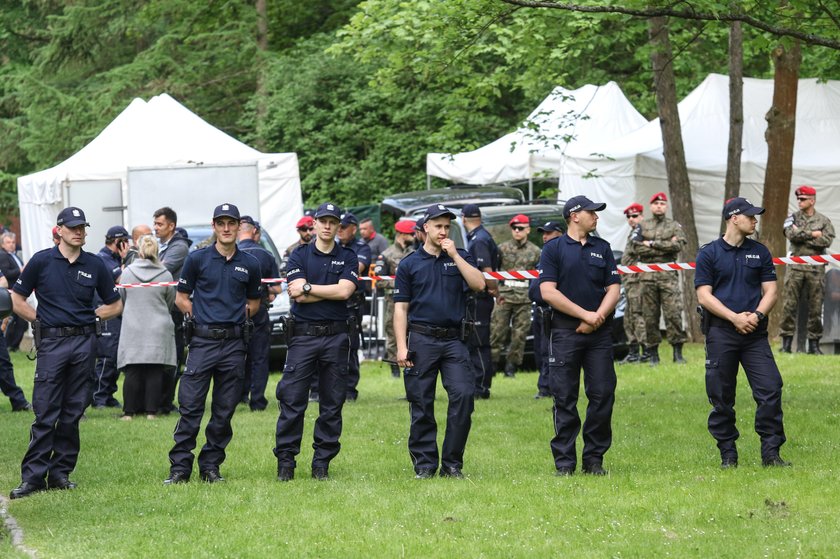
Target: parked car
x,y
280,307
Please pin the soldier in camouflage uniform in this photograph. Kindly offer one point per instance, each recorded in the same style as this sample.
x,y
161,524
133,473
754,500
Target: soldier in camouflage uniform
x,y
386,265
634,320
660,240
809,232
512,314
305,226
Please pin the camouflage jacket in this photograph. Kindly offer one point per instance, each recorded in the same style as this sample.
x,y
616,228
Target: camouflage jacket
x,y
668,240
516,256
631,256
798,228
387,262
285,257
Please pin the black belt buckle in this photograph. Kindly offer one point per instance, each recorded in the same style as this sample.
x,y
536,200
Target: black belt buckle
x,y
320,330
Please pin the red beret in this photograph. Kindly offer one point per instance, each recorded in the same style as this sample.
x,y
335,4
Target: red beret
x,y
806,191
634,208
520,219
404,226
659,196
305,221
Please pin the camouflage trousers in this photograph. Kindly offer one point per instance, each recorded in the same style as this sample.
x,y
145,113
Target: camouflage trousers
x,y
390,339
510,321
634,320
812,280
661,290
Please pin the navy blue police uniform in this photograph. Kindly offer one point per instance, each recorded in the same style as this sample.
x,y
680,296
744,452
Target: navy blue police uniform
x,y
105,369
541,337
259,347
735,274
485,253
8,384
355,304
566,261
319,346
66,354
436,294
220,287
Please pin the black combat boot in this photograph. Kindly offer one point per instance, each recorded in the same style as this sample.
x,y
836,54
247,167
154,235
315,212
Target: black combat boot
x,y
510,370
653,351
632,355
678,357
787,342
395,370
814,347
645,356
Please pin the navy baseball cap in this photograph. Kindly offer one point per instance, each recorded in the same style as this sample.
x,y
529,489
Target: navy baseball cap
x,y
248,219
550,226
471,210
580,204
438,210
348,219
328,209
116,232
419,225
226,210
72,217
740,206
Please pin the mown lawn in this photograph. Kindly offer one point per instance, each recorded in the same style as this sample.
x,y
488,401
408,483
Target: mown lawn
x,y
665,495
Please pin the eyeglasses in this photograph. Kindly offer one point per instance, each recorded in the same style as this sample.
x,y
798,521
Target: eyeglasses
x,y
306,229
802,198
631,216
519,228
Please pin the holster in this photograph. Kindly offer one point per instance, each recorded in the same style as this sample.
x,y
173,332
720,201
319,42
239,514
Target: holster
x,y
705,320
189,328
546,315
36,333
353,325
97,325
287,323
467,329
247,330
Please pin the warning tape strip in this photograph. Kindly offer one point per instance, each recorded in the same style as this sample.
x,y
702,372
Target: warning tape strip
x,y
534,274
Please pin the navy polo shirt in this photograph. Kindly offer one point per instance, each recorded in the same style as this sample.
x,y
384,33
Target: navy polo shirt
x,y
112,260
483,248
322,268
433,287
268,265
65,290
362,251
735,273
220,286
582,271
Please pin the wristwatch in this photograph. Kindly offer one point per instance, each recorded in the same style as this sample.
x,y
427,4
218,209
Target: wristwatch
x,y
307,288
760,315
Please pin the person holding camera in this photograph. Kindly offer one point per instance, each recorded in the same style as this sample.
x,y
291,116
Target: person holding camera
x,y
430,297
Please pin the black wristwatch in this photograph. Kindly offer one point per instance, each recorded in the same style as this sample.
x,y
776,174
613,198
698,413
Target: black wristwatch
x,y
760,315
307,288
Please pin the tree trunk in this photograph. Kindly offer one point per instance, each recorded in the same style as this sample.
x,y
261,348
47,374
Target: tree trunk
x,y
736,115
262,50
781,131
678,184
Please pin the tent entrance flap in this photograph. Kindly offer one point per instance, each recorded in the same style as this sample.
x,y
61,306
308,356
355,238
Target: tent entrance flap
x,y
193,192
102,202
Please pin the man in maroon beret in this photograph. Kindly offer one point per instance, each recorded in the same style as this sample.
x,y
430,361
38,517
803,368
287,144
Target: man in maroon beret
x,y
634,320
809,233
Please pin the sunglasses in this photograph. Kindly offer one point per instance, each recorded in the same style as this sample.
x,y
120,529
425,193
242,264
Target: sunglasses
x,y
802,198
518,228
306,229
631,216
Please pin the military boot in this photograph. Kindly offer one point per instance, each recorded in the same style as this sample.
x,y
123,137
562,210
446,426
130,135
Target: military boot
x,y
678,356
632,355
787,342
645,356
510,370
395,370
814,347
653,351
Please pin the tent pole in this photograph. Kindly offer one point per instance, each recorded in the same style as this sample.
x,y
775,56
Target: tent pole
x,y
428,182
530,189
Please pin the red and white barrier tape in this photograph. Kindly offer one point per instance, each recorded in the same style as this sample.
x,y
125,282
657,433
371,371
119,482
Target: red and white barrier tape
x,y
533,274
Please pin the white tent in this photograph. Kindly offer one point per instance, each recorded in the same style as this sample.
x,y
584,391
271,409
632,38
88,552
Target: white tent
x,y
161,135
566,122
632,168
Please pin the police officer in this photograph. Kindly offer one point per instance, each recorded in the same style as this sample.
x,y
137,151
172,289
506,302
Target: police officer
x,y
105,369
225,286
736,285
259,346
542,315
809,233
386,265
581,335
322,276
661,239
347,238
634,319
485,254
430,297
8,385
511,318
64,279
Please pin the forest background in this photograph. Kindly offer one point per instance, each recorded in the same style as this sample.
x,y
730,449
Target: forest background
x,y
361,91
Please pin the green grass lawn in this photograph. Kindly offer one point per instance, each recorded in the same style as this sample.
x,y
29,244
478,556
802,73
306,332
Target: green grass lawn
x,y
665,495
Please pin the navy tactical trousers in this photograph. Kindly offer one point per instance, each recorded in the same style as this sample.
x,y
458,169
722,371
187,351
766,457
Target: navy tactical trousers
x,y
105,370
7,378
256,365
479,344
452,360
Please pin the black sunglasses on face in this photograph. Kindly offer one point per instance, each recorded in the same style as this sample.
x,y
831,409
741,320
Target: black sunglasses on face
x,y
306,229
631,216
801,198
518,228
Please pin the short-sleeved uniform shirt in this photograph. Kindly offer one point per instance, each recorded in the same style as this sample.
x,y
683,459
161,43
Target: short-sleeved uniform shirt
x,y
582,272
322,268
362,251
534,293
112,260
483,248
65,290
220,287
735,273
268,265
433,287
